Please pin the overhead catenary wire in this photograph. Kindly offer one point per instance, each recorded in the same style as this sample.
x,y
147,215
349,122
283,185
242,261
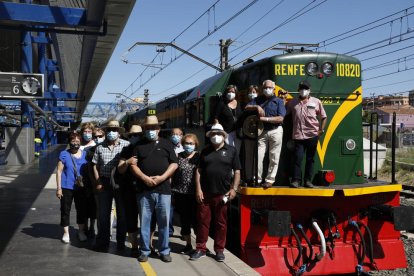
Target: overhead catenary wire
x,y
323,42
196,44
389,63
173,40
388,84
293,17
387,53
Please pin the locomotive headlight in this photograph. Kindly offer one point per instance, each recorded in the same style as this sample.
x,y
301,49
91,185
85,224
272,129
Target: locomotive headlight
x,y
312,68
350,144
327,68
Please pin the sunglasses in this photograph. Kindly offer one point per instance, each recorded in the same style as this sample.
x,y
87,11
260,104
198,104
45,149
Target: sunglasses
x,y
112,129
98,136
189,143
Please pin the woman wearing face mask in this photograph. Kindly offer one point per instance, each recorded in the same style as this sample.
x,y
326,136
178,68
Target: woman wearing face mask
x,y
87,137
252,92
71,162
227,113
183,186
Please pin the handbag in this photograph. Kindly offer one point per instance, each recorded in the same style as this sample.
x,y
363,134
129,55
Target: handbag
x,y
78,178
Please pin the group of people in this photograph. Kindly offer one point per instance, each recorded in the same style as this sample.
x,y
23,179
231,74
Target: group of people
x,y
308,124
147,175
140,175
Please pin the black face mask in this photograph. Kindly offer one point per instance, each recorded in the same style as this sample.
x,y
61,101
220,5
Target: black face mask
x,y
74,146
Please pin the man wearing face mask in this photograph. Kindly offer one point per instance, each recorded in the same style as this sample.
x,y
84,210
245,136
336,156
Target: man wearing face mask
x,y
214,189
176,136
271,112
128,185
98,137
305,112
157,162
105,159
227,112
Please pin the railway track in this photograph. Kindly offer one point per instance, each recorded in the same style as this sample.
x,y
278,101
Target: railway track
x,y
407,191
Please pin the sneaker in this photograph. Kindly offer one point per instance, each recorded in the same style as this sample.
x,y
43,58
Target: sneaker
x,y
308,184
82,237
220,257
187,249
66,238
197,255
142,258
166,258
294,184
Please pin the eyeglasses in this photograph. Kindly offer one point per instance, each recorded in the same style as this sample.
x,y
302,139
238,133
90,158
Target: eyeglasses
x,y
98,136
216,133
112,129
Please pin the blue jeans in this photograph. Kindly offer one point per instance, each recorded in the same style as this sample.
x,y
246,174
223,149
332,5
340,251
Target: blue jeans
x,y
150,202
104,216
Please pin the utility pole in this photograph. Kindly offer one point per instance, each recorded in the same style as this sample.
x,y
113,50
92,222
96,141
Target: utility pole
x,y
224,53
146,97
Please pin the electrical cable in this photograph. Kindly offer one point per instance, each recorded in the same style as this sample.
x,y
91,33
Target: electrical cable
x,y
389,63
387,74
288,20
387,53
173,40
363,26
196,44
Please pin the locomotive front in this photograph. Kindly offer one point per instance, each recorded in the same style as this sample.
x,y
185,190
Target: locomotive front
x,y
343,225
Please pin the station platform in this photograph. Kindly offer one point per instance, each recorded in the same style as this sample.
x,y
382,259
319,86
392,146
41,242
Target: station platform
x,y
30,234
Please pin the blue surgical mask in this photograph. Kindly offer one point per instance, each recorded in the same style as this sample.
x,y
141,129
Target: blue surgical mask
x,y
189,148
112,135
151,135
99,140
87,137
175,139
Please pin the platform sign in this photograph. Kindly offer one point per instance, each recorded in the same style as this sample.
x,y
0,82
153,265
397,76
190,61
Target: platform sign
x,y
21,85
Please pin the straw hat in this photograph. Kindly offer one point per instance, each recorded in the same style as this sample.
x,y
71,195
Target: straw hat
x,y
151,121
216,128
114,124
135,129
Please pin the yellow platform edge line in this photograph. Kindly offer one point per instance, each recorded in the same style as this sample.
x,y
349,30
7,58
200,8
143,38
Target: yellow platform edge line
x,y
287,192
148,270
373,190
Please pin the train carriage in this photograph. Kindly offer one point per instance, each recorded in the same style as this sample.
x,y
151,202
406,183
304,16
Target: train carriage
x,y
346,223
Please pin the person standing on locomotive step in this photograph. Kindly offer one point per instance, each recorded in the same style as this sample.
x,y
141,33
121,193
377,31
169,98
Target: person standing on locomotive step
x,y
214,188
271,112
227,113
105,159
305,111
69,166
157,162
129,189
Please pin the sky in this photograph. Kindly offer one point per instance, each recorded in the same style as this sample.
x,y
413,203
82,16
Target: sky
x,y
388,69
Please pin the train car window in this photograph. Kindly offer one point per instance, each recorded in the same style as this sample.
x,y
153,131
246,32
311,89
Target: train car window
x,y
194,113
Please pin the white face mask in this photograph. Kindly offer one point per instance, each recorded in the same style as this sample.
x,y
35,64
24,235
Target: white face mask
x,y
304,92
268,92
216,139
230,96
252,96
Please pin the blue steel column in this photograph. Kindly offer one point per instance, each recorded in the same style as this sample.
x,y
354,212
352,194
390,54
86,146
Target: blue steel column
x,y
27,67
42,103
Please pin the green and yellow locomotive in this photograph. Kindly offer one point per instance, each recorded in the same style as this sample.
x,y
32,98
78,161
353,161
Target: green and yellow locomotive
x,y
346,223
